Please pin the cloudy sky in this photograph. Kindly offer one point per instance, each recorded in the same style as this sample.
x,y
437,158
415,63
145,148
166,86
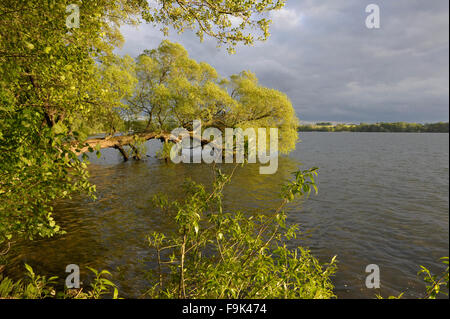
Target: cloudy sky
x,y
322,55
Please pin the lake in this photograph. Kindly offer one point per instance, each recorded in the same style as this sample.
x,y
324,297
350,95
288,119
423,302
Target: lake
x,y
383,199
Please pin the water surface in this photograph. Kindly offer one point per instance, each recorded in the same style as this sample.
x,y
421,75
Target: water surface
x,y
383,200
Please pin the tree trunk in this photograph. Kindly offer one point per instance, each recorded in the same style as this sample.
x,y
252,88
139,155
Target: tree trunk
x,y
118,142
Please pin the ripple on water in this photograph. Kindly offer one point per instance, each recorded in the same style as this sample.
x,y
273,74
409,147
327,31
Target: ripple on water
x,y
383,199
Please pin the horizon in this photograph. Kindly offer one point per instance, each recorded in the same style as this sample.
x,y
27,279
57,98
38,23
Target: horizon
x,y
361,122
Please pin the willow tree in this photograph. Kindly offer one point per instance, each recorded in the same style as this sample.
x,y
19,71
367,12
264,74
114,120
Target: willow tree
x,y
258,106
56,81
174,90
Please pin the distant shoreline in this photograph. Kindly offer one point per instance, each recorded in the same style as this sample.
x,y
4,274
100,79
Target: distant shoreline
x,y
318,131
397,127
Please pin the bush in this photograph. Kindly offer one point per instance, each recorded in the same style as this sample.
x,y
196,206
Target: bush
x,y
436,283
39,287
215,254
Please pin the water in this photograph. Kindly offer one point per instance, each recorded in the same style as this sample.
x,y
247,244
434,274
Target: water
x,y
383,200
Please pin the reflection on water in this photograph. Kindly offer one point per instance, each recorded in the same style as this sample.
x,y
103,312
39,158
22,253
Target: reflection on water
x,y
383,200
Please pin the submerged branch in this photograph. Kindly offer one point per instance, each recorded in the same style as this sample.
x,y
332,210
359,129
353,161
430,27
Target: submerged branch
x,y
118,142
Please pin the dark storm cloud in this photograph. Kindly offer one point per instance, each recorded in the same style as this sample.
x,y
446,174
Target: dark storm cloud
x,y
335,69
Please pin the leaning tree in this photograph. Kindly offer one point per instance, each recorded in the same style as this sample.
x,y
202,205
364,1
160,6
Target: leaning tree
x,y
56,83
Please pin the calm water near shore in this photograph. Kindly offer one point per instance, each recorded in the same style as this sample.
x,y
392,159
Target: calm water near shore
x,y
383,199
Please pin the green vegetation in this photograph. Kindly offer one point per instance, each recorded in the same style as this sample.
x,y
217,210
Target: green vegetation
x,y
435,282
229,22
58,85
173,90
437,285
39,287
51,87
398,127
215,254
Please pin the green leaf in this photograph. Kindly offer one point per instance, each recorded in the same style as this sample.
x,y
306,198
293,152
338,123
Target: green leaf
x,y
30,270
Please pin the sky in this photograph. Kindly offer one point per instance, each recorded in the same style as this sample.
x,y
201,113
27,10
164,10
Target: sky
x,y
332,67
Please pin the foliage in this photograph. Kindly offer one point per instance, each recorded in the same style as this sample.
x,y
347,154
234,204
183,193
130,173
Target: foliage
x,y
40,287
435,282
50,79
100,286
35,287
174,90
164,152
216,254
398,127
58,85
262,107
324,124
230,22
35,170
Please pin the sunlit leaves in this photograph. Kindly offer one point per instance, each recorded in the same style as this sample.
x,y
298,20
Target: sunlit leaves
x,y
230,22
35,286
303,184
57,85
174,90
49,89
262,107
233,254
436,283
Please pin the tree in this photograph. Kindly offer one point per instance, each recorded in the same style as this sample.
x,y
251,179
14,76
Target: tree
x,y
217,254
262,107
48,86
58,83
230,22
173,90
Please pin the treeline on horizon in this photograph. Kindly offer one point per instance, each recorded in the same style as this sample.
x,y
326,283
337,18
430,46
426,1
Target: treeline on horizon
x,y
397,127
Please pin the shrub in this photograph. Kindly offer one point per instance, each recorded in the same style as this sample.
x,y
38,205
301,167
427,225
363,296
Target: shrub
x,y
216,254
39,287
